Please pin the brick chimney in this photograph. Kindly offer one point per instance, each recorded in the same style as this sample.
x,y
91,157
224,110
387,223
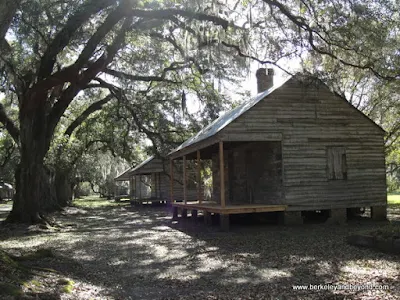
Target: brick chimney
x,y
265,79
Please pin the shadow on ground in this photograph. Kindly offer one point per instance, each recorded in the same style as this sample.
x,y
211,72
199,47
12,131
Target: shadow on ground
x,y
139,253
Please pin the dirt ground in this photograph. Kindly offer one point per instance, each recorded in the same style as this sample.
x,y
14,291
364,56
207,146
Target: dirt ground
x,y
119,252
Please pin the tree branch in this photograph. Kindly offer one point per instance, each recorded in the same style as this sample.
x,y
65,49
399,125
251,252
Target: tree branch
x,y
70,73
61,40
242,54
301,23
91,109
83,150
9,152
172,67
170,14
9,125
83,79
7,13
112,19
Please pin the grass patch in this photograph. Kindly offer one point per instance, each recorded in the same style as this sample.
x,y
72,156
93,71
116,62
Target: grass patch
x,y
6,261
6,203
11,276
33,285
19,279
96,202
393,199
67,285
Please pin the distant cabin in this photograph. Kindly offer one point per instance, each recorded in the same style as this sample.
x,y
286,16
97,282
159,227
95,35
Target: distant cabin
x,y
294,148
6,191
150,182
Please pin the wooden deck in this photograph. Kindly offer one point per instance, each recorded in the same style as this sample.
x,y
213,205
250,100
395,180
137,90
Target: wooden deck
x,y
148,200
213,207
120,197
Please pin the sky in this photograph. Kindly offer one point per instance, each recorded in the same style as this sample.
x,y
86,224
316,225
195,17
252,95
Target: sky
x,y
250,83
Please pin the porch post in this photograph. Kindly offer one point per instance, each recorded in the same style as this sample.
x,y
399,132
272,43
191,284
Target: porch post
x,y
140,188
222,172
131,188
152,189
159,185
184,180
199,195
171,172
135,191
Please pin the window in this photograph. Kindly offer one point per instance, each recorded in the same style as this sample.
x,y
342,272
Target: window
x,y
336,163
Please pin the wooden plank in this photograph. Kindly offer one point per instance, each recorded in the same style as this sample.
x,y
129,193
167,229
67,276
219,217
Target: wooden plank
x,y
230,209
149,200
249,210
136,187
222,172
171,170
158,191
197,146
132,183
322,206
140,186
255,135
199,194
184,179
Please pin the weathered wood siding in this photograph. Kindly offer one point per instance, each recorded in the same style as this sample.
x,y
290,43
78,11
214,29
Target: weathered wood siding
x,y
216,178
310,118
142,187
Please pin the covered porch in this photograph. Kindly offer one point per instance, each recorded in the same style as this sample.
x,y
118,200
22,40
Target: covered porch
x,y
246,178
148,189
148,180
121,190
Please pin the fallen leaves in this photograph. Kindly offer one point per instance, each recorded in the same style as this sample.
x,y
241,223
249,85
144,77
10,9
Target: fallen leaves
x,y
124,253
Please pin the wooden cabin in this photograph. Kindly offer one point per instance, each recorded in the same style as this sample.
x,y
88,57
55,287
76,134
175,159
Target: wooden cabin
x,y
293,149
151,182
121,191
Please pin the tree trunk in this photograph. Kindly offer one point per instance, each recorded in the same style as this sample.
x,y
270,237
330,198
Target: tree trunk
x,y
64,188
34,196
34,190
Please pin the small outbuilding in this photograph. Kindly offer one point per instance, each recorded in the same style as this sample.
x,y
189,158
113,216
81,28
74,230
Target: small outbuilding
x,y
120,190
6,191
296,148
150,181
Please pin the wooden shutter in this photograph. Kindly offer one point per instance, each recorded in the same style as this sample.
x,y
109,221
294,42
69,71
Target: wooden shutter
x,y
336,163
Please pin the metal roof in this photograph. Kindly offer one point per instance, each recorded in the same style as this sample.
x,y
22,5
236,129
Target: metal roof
x,y
137,170
124,175
4,185
150,165
142,164
224,120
